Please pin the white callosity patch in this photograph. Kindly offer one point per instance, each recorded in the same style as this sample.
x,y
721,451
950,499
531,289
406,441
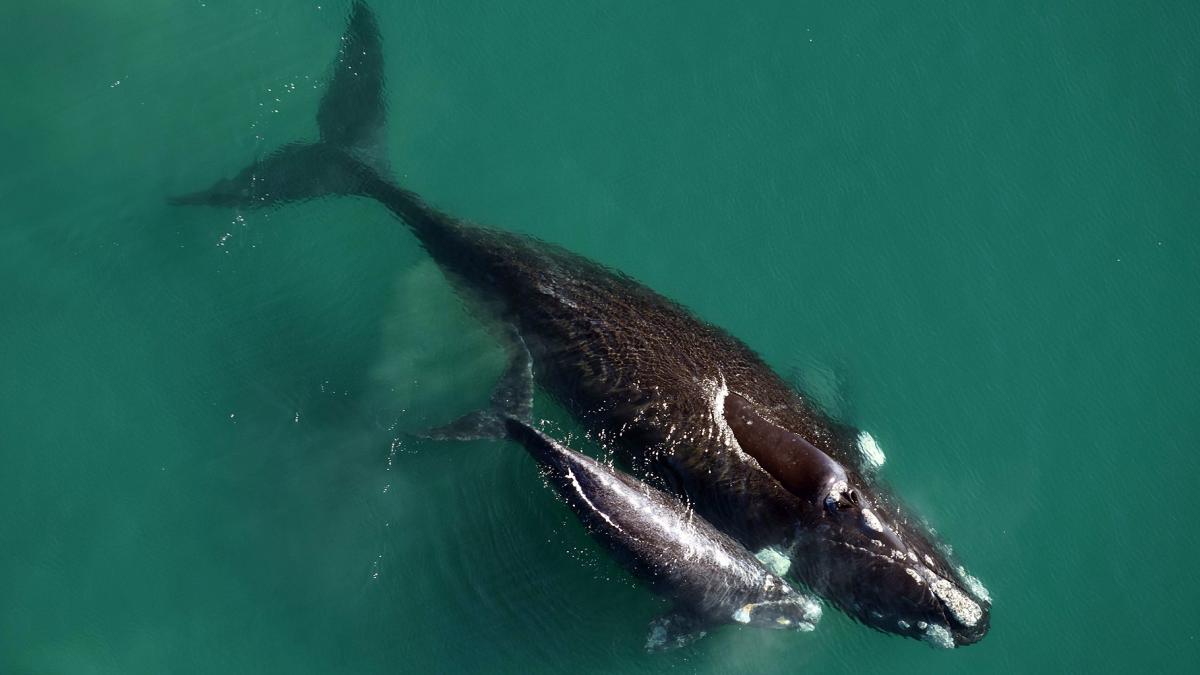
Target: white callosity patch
x,y
775,562
939,636
966,610
839,487
913,573
871,520
960,604
871,452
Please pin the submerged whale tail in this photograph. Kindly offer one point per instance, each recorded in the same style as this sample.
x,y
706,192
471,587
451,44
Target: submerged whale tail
x,y
350,155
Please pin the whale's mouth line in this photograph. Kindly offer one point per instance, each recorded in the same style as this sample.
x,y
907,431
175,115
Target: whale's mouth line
x,y
926,591
889,559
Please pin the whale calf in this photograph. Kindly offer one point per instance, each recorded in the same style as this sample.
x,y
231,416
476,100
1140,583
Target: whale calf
x,y
684,404
711,578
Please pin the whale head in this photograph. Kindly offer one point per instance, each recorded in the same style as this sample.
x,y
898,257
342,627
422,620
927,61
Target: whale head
x,y
855,550
887,573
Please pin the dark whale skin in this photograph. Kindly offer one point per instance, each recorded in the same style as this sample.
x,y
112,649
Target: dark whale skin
x,y
639,370
645,376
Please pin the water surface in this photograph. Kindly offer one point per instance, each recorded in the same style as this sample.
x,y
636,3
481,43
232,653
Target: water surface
x,y
970,229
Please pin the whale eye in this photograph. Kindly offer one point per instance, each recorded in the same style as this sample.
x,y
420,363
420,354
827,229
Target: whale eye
x,y
842,500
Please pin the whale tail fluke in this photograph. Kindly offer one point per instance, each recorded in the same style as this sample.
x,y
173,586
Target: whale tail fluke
x,y
350,154
353,112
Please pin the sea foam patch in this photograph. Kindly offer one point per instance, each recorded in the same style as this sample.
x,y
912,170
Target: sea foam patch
x,y
938,636
871,452
975,585
775,561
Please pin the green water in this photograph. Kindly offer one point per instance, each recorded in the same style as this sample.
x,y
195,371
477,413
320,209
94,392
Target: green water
x,y
970,228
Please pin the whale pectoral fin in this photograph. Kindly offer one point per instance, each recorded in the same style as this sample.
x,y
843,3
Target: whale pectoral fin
x,y
673,630
511,397
475,425
513,394
351,122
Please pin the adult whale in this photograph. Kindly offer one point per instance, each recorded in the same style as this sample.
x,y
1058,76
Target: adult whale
x,y
684,404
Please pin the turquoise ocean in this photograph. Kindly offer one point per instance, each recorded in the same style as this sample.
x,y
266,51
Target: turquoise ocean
x,y
972,229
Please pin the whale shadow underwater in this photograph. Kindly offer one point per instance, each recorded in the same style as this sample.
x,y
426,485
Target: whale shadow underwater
x,y
685,406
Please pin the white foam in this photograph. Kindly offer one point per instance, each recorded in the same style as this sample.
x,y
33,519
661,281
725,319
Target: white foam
x,y
975,586
775,562
813,609
657,637
717,390
938,636
870,450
